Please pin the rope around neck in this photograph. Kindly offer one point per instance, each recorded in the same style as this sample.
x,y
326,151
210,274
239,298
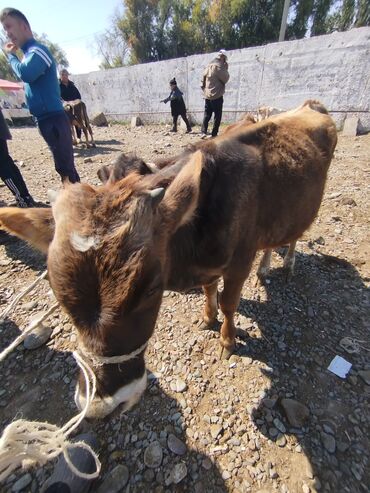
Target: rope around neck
x,y
98,360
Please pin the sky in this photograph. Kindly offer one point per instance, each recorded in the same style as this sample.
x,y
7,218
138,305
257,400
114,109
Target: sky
x,y
70,24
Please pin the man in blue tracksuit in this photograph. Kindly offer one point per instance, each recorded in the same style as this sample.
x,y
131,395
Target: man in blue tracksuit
x,y
39,73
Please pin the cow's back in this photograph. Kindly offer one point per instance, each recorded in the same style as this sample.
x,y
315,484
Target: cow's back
x,y
261,187
295,149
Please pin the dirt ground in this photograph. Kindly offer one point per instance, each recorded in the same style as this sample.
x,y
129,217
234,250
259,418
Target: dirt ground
x,y
235,432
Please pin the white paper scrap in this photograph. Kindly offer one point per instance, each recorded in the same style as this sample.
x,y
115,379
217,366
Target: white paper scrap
x,y
339,366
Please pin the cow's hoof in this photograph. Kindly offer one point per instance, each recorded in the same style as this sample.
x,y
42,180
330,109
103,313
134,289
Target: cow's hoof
x,y
225,353
204,325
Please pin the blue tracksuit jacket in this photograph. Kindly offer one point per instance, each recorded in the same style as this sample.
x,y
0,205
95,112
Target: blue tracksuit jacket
x,y
38,71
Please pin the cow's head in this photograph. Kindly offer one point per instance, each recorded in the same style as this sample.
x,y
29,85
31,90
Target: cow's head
x,y
107,267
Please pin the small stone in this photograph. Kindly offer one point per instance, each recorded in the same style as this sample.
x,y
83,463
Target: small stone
x,y
30,305
365,376
178,473
207,464
99,120
295,412
37,337
216,430
153,455
88,160
328,442
178,385
350,126
281,440
226,475
136,121
115,480
22,482
176,445
279,425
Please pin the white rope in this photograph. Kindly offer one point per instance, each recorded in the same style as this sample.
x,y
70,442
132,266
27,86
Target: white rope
x,y
26,331
24,443
98,360
21,294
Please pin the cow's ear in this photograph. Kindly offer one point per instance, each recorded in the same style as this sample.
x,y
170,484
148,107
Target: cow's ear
x,y
181,197
36,226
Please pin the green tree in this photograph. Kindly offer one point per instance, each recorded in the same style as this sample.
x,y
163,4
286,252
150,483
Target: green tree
x,y
320,15
161,29
59,55
363,13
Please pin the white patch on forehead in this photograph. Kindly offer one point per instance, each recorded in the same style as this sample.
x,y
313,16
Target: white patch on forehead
x,y
83,243
102,406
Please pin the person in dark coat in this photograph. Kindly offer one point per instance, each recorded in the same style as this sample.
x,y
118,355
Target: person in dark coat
x,y
9,172
177,106
69,92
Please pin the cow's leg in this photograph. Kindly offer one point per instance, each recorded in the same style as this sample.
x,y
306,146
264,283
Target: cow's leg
x,y
73,131
289,260
91,135
229,301
211,306
86,135
264,267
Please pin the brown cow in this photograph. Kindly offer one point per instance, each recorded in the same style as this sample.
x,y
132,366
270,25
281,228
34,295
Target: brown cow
x,y
77,114
118,246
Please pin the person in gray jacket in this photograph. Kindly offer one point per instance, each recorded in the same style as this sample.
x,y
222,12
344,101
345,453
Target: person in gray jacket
x,y
9,172
213,85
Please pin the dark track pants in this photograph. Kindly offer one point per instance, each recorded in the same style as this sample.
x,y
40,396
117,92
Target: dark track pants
x,y
56,131
11,175
184,117
212,106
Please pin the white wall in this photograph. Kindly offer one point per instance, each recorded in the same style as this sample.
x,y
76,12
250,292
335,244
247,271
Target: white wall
x,y
333,68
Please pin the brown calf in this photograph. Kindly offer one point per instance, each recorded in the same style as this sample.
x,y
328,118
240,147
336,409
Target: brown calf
x,y
118,246
77,114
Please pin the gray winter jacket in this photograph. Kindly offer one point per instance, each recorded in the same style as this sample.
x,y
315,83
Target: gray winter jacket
x,y
4,130
214,79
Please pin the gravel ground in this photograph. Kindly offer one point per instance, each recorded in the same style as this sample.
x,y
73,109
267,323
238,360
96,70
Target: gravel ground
x,y
272,418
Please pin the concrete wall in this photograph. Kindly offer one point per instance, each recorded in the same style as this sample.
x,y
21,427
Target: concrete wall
x,y
333,68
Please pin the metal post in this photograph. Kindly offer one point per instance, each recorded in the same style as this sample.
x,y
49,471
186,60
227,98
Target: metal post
x,y
284,20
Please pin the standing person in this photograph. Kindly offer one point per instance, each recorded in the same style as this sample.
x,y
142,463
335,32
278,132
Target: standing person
x,y
69,92
213,84
9,172
177,106
38,72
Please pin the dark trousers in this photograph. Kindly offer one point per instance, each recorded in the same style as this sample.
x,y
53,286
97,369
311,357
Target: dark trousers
x,y
212,106
184,117
56,131
11,175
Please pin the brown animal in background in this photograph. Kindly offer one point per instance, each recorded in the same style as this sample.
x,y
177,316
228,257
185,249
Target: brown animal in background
x,y
118,246
77,114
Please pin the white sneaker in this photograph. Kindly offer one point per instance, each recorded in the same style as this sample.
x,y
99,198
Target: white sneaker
x,y
203,136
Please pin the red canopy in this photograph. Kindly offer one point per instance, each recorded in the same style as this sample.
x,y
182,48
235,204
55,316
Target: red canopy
x,y
6,85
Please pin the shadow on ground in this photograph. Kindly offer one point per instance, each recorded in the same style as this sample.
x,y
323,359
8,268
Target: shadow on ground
x,y
296,332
